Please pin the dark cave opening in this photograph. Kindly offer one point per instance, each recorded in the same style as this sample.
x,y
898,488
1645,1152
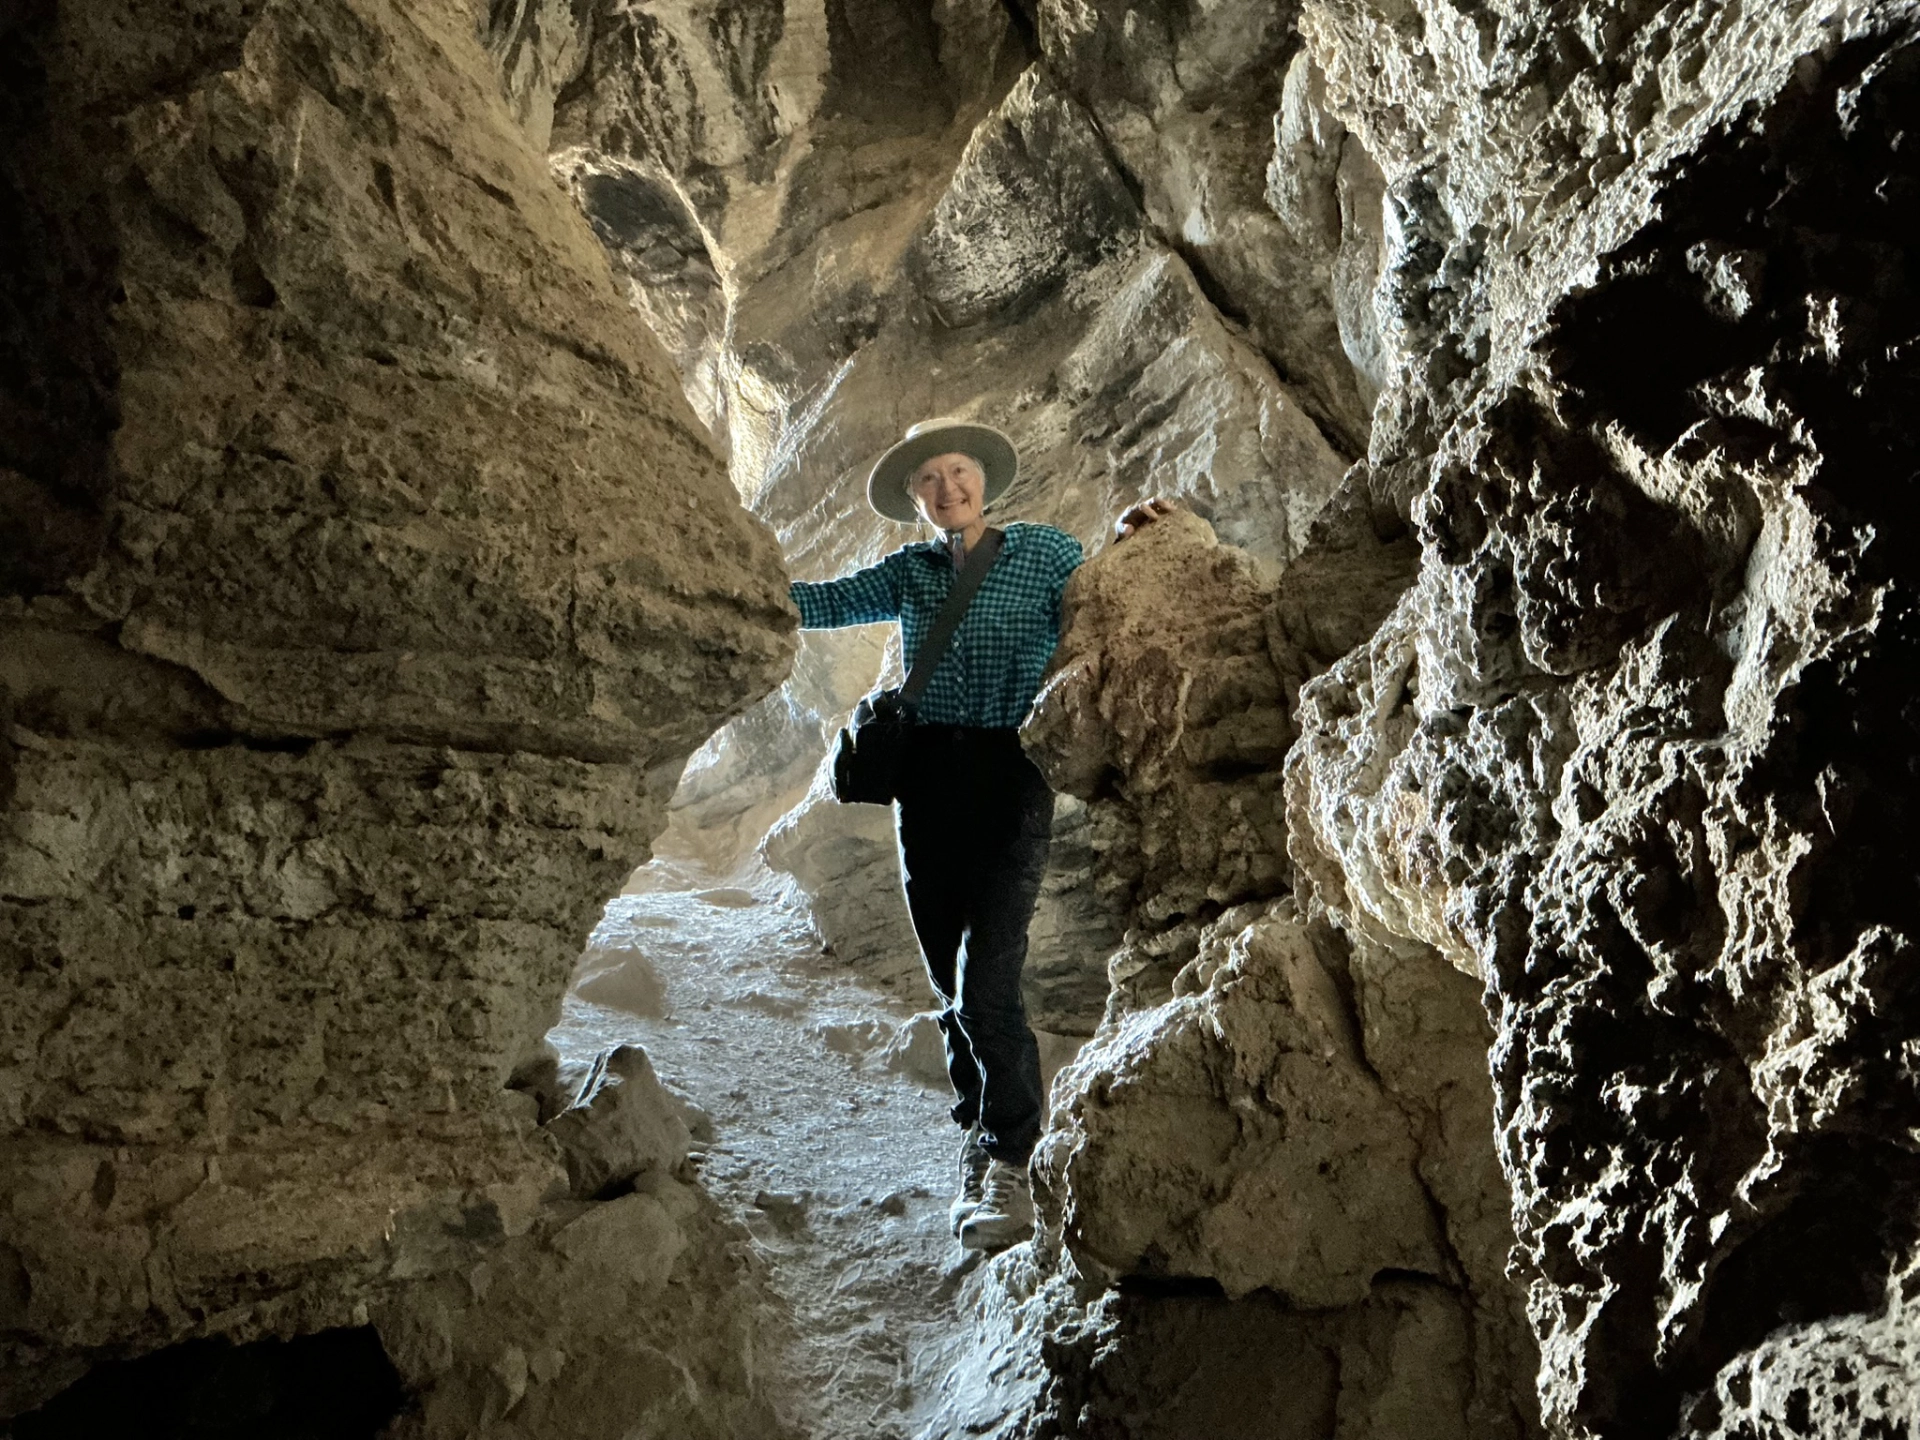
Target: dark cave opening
x,y
333,1385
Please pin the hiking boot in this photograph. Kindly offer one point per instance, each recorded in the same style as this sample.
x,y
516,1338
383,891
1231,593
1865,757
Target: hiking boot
x,y
973,1178
1005,1213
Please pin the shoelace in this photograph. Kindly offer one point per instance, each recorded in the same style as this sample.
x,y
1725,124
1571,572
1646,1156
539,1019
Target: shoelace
x,y
1003,1185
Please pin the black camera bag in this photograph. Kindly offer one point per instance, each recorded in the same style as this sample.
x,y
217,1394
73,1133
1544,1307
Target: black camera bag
x,y
871,753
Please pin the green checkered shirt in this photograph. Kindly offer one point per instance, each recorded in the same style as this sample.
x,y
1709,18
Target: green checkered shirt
x,y
992,670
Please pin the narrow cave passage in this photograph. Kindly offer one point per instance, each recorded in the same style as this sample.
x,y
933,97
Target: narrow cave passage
x,y
825,1131
1484,885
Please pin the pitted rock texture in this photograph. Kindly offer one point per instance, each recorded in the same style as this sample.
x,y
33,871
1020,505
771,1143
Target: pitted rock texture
x,y
1293,1157
367,581
1269,1107
1634,749
1170,719
1850,1375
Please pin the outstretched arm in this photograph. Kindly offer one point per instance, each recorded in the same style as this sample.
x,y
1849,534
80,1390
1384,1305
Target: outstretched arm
x,y
866,597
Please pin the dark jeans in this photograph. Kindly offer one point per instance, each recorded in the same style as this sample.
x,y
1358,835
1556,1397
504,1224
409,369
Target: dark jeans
x,y
975,818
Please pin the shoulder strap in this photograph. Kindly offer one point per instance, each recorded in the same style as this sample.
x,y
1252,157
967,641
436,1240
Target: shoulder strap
x,y
952,611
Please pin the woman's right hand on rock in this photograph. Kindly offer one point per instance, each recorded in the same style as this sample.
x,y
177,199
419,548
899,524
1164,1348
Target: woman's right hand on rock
x,y
1137,517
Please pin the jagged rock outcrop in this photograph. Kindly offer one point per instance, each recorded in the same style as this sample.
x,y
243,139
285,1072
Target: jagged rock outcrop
x,y
365,588
367,581
1171,720
1270,1107
1627,749
1238,1133
1631,288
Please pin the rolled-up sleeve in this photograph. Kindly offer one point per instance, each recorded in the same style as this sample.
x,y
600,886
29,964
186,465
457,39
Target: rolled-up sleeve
x,y
1067,558
866,597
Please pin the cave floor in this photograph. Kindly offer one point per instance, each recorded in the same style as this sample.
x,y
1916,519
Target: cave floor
x,y
837,1165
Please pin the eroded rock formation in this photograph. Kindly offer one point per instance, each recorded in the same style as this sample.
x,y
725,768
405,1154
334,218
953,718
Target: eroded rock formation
x,y
367,581
1599,755
1609,616
1486,861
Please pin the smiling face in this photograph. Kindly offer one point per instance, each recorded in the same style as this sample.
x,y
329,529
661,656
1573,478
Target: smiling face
x,y
949,491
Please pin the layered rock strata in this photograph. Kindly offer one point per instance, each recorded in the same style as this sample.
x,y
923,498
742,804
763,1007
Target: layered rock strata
x,y
1628,753
367,582
842,228
342,682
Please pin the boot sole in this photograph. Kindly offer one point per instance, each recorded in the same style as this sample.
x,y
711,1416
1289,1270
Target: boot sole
x,y
979,1237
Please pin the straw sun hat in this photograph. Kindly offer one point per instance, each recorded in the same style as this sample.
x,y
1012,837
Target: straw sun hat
x,y
887,484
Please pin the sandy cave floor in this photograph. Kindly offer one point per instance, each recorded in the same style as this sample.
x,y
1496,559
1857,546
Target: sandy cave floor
x,y
837,1160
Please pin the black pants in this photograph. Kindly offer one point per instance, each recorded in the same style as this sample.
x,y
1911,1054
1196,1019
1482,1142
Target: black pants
x,y
975,818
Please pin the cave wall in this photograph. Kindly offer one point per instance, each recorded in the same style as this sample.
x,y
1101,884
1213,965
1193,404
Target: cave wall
x,y
1624,753
1539,379
367,580
1620,754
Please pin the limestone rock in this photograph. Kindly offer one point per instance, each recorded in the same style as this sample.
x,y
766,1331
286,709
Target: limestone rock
x,y
1175,1363
847,860
631,1316
1077,921
616,969
916,1050
1237,1134
623,1131
1852,1374
366,583
1167,701
1624,751
739,785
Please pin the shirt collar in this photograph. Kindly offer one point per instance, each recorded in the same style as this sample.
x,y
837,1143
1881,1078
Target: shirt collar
x,y
941,549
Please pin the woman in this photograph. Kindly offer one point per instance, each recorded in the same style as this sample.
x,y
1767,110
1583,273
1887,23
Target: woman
x,y
974,814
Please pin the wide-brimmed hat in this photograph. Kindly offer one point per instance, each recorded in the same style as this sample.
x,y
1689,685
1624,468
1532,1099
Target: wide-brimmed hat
x,y
887,484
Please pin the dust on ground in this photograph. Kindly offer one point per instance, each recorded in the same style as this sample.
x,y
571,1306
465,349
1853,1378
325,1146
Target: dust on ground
x,y
833,1149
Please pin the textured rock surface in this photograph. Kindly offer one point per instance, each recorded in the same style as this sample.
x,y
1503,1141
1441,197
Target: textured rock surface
x,y
1177,1362
1170,718
629,1306
1595,669
1628,750
1299,1123
1238,1133
907,216
367,581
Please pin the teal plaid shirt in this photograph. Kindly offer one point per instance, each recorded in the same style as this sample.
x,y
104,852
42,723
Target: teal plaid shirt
x,y
992,670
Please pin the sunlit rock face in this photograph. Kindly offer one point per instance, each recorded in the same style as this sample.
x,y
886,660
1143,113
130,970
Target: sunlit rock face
x,y
847,220
367,581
